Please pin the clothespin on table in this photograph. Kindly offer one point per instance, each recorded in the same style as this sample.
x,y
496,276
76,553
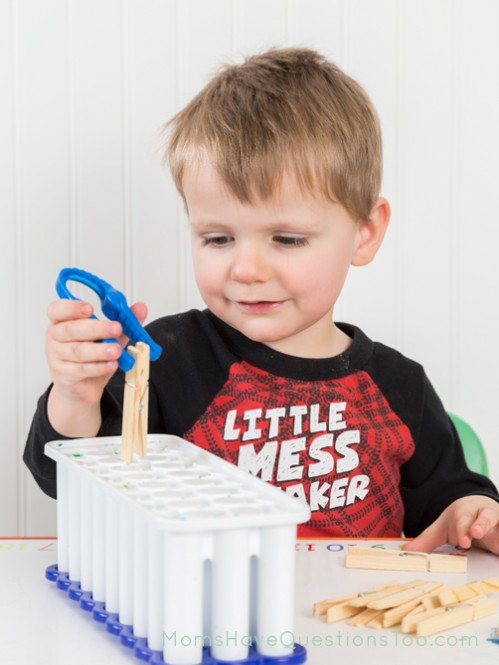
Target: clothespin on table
x,y
135,404
378,559
391,604
434,621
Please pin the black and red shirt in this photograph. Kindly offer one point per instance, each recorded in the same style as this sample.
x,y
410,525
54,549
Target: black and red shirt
x,y
362,437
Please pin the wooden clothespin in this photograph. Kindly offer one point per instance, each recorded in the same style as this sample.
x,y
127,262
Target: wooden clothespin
x,y
367,599
375,600
378,559
420,607
434,621
365,618
402,597
135,404
451,595
394,615
321,607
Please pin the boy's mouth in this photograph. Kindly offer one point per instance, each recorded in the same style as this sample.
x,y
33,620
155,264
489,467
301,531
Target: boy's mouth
x,y
259,306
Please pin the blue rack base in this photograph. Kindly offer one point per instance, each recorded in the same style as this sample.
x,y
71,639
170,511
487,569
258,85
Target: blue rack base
x,y
139,644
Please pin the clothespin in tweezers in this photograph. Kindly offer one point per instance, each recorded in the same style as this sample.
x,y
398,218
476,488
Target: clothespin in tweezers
x,y
134,361
135,404
378,559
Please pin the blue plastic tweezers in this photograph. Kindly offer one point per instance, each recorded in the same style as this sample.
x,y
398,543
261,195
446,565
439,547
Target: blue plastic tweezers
x,y
114,306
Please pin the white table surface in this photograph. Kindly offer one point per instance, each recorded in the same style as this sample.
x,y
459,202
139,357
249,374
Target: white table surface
x,y
39,625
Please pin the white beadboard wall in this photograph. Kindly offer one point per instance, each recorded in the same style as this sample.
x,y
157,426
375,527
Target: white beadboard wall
x,y
85,86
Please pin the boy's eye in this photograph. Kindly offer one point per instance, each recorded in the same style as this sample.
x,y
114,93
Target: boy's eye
x,y
292,241
217,241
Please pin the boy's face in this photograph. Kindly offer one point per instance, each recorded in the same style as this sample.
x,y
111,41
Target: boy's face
x,y
273,269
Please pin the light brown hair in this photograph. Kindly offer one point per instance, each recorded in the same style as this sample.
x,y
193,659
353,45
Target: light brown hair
x,y
289,111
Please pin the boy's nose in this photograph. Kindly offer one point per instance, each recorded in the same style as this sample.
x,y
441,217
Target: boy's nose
x,y
249,265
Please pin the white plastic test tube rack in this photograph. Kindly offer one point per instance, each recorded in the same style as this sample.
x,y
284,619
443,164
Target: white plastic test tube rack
x,y
185,547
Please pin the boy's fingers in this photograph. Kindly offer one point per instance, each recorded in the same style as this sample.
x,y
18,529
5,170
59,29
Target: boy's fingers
x,y
66,310
474,524
71,322
86,352
84,330
429,539
460,530
490,541
75,372
485,520
140,311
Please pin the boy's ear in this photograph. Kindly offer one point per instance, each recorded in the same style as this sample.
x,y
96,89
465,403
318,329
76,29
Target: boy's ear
x,y
371,232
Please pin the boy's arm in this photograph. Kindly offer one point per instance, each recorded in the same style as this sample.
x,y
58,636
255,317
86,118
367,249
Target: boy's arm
x,y
471,520
437,475
41,432
78,403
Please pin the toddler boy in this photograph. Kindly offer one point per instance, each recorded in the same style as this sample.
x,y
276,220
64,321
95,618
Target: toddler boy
x,y
278,161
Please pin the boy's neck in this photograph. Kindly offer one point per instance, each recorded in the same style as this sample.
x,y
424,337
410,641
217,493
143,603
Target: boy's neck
x,y
310,345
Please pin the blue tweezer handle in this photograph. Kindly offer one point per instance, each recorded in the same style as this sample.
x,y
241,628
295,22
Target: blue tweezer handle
x,y
114,306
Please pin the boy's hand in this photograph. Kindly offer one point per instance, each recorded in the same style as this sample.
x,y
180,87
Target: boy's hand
x,y
471,520
80,368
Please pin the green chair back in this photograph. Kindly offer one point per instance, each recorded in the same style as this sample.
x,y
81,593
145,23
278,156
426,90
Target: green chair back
x,y
474,453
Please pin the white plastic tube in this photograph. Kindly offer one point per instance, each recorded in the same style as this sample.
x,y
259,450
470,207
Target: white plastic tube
x,y
183,599
86,506
112,555
155,590
274,622
125,594
139,577
98,546
74,528
231,595
62,518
